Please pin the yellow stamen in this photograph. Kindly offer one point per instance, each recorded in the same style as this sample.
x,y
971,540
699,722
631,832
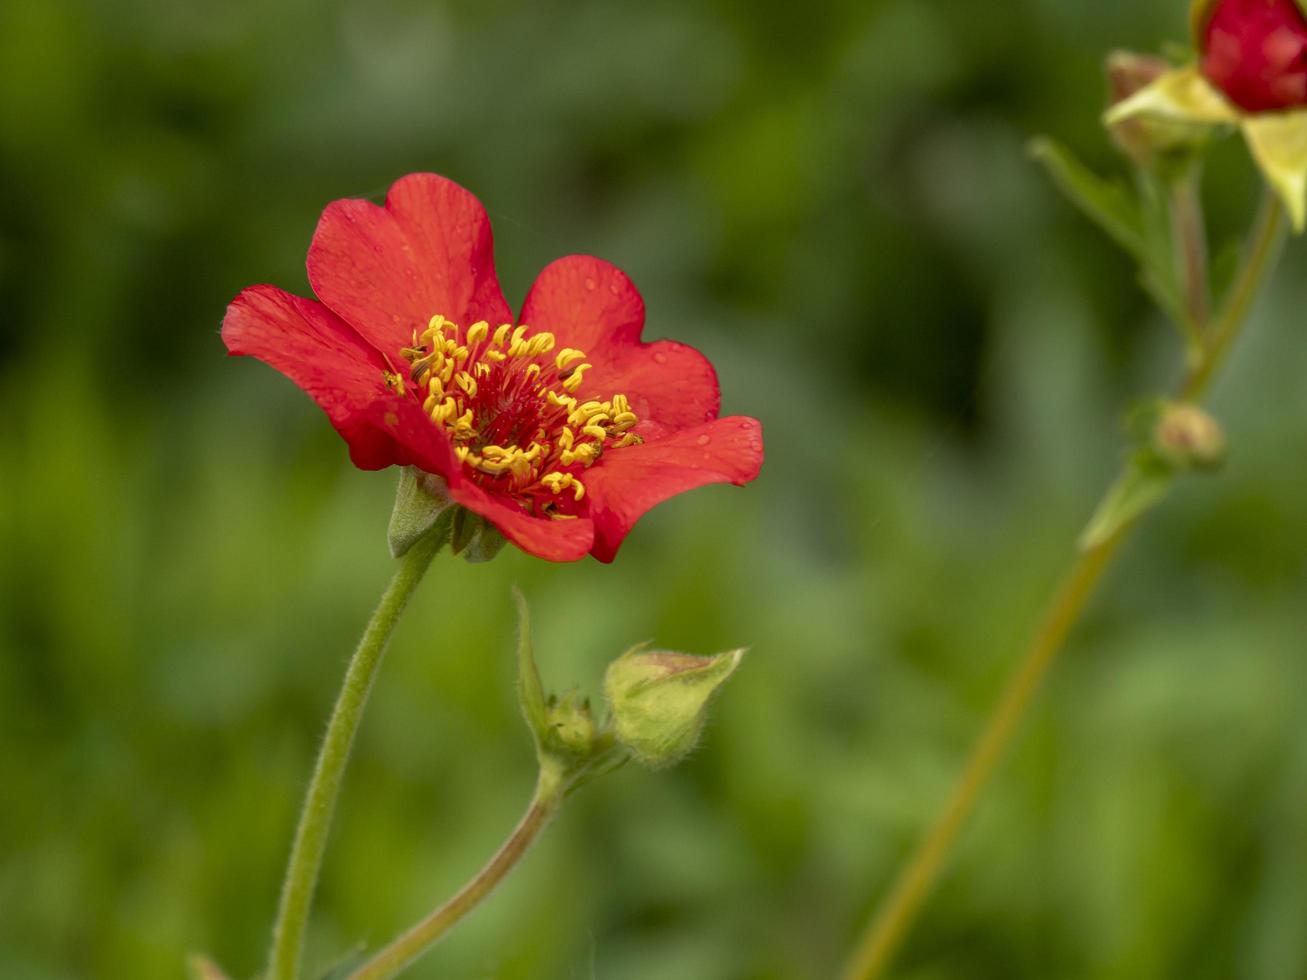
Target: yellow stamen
x,y
477,332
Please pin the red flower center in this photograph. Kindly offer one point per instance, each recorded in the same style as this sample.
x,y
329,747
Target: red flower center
x,y
1255,51
507,403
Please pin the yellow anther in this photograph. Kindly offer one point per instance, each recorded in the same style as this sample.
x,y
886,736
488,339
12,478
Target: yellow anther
x,y
461,453
467,383
573,380
515,346
495,356
620,404
630,439
435,387
578,489
478,332
437,323
459,354
541,343
495,452
481,369
394,381
567,356
623,421
560,401
532,372
464,427
595,432
501,334
566,438
432,401
532,452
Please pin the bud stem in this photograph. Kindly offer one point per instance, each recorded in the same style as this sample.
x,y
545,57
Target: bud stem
x,y
320,800
893,919
551,787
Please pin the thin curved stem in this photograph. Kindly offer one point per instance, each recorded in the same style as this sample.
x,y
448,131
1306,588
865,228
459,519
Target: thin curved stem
x,y
893,919
404,949
320,800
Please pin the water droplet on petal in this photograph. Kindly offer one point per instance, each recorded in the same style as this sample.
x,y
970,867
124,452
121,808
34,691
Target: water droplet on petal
x,y
589,283
660,358
746,424
755,445
704,439
615,287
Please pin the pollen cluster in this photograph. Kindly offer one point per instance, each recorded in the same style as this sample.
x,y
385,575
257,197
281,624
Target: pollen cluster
x,y
507,402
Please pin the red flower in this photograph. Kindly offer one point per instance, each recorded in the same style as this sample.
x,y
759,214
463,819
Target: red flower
x,y
1255,51
561,427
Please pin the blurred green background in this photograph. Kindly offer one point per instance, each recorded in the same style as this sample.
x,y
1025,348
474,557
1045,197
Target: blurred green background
x,y
833,201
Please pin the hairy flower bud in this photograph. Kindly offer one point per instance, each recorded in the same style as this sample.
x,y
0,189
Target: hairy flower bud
x,y
1254,51
659,700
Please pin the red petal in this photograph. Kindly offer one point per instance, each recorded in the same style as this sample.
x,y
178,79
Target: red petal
x,y
567,540
319,352
387,271
591,305
628,482
585,303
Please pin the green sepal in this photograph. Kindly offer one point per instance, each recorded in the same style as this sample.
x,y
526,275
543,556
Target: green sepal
x,y
659,700
530,692
1143,485
202,968
422,507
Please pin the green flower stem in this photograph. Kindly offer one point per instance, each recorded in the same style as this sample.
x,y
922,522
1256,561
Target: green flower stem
x,y
551,788
889,927
320,800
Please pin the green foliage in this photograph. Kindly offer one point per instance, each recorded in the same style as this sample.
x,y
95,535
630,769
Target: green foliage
x,y
835,204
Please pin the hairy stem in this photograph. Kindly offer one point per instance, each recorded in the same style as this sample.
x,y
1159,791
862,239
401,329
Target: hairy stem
x,y
887,929
320,800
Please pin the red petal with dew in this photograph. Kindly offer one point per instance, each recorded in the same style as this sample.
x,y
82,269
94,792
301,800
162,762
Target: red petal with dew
x,y
387,270
592,305
628,482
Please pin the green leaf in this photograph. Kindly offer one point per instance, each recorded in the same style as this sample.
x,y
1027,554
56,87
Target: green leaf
x,y
1140,488
1108,203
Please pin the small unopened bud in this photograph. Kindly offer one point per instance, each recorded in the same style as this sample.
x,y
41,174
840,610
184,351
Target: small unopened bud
x,y
659,700
1187,437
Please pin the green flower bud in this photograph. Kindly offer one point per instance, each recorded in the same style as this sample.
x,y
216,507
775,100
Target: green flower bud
x,y
1186,437
659,700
